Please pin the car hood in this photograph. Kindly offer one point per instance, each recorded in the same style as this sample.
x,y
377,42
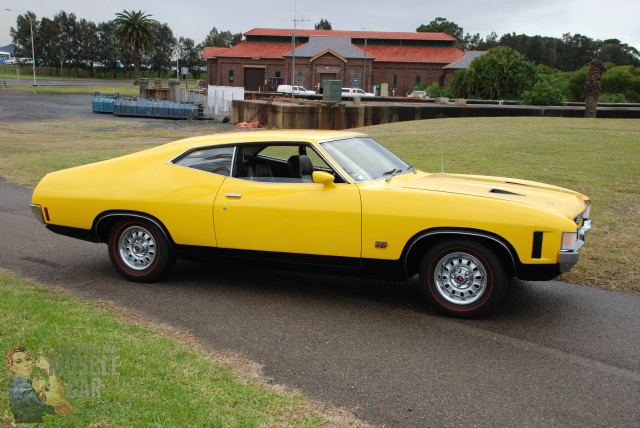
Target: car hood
x,y
545,196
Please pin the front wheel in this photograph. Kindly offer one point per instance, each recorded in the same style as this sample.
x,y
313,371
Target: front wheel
x,y
139,250
463,278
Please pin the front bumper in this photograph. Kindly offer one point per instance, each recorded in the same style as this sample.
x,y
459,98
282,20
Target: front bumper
x,y
568,259
37,212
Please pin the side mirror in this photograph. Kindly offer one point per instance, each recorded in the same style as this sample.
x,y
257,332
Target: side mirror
x,y
321,177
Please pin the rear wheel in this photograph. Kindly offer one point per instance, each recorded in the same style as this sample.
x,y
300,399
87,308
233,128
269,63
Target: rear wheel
x,y
463,278
139,250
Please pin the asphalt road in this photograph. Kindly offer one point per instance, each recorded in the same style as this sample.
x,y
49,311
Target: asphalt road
x,y
556,354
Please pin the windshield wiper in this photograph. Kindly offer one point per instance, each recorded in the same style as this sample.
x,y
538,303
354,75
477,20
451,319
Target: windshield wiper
x,y
393,172
413,168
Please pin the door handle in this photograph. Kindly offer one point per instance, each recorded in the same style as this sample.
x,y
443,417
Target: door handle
x,y
234,195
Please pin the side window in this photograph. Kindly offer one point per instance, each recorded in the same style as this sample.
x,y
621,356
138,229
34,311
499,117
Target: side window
x,y
215,160
317,161
274,163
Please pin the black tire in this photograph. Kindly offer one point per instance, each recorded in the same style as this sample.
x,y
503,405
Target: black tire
x,y
139,250
477,286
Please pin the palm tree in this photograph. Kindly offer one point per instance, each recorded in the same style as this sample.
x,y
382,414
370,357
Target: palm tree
x,y
592,88
135,31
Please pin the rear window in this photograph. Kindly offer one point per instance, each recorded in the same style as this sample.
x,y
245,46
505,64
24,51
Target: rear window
x,y
215,160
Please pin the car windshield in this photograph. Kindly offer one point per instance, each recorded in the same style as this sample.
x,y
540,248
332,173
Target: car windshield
x,y
364,159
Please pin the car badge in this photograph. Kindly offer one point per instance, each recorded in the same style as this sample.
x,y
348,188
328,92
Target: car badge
x,y
381,244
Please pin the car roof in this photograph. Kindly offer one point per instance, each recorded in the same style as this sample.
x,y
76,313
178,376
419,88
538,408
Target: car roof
x,y
310,135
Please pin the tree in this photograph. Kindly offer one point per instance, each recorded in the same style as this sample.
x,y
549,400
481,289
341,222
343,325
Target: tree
x,y
88,43
48,44
477,43
224,39
109,47
592,88
69,38
162,49
135,30
441,25
500,74
623,82
21,35
190,56
323,25
612,50
576,86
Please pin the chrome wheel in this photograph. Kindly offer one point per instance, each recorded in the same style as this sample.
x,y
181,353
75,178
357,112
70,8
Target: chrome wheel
x,y
137,248
460,278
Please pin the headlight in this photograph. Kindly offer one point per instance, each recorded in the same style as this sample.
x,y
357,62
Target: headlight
x,y
577,219
569,241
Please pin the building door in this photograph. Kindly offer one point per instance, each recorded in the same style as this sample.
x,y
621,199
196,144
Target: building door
x,y
326,76
253,79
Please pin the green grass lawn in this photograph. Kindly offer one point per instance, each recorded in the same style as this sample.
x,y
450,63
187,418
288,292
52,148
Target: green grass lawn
x,y
161,378
599,158
125,90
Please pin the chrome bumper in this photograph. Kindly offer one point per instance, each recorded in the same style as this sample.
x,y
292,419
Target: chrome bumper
x,y
37,212
568,259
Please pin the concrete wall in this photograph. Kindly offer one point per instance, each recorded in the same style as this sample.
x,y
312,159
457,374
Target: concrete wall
x,y
322,115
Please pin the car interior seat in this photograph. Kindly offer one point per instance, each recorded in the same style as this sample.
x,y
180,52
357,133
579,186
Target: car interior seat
x,y
300,166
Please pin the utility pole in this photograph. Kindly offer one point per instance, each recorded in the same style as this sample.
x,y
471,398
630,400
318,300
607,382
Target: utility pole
x,y
364,75
293,54
33,55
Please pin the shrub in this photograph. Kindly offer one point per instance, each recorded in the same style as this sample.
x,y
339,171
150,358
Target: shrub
x,y
542,94
612,98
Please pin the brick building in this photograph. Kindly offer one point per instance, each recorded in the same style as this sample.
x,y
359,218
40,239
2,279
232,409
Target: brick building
x,y
360,59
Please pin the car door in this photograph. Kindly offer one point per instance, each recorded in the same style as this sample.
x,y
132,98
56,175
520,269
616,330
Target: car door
x,y
285,215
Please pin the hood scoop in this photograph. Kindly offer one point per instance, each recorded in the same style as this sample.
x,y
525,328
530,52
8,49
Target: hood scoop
x,y
519,184
504,192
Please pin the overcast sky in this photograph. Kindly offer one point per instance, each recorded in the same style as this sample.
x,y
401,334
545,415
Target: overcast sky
x,y
195,18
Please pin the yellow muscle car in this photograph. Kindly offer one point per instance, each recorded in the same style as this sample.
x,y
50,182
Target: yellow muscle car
x,y
327,201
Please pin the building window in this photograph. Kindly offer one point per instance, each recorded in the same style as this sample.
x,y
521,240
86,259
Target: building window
x,y
230,76
300,76
355,80
417,79
277,74
394,80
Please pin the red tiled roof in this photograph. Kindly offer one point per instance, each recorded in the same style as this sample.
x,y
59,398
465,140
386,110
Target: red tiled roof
x,y
379,53
415,54
352,34
258,50
211,52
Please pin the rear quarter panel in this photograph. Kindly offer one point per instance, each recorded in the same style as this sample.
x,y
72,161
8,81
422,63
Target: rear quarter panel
x,y
181,198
